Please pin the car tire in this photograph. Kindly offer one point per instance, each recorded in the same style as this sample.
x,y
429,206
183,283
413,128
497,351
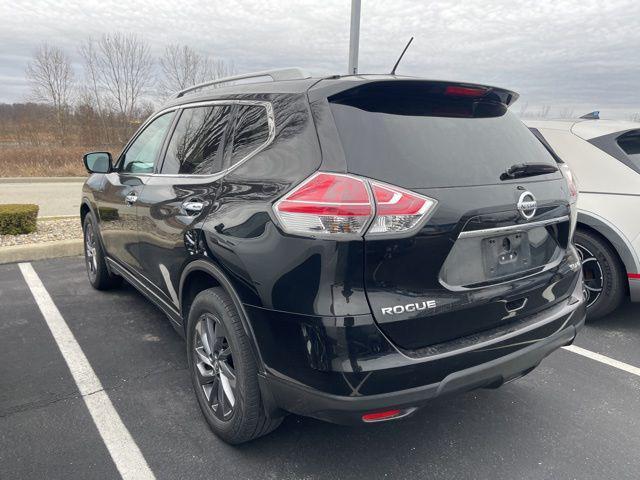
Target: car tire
x,y
219,348
99,275
603,274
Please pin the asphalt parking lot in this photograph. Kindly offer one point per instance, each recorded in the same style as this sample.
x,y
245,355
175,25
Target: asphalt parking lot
x,y
573,417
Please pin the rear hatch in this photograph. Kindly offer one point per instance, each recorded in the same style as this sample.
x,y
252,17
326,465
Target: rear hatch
x,y
478,261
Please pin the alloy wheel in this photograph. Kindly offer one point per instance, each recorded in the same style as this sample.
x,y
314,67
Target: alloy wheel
x,y
213,359
90,251
592,274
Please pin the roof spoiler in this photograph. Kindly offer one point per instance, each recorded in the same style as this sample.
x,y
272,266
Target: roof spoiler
x,y
344,87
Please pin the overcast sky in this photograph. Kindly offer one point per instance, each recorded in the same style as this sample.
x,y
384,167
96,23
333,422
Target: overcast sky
x,y
575,56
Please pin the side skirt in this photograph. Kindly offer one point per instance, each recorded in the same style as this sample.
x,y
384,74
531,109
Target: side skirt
x,y
140,285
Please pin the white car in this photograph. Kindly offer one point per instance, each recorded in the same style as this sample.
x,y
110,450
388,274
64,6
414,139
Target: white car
x,y
604,156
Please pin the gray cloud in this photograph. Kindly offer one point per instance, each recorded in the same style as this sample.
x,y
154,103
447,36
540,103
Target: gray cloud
x,y
571,54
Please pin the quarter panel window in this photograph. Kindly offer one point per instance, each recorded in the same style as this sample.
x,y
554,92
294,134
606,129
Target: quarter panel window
x,y
630,144
141,155
251,131
197,144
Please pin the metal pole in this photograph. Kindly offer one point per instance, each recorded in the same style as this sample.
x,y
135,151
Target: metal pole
x,y
354,37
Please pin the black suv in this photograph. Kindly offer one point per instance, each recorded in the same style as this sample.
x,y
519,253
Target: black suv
x,y
345,248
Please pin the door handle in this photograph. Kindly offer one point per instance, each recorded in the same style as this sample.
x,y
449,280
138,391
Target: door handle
x,y
193,207
130,199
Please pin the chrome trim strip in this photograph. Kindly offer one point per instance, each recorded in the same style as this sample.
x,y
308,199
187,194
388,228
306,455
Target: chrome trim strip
x,y
512,228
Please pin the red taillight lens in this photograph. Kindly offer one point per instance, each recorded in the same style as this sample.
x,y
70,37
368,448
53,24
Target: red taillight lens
x,y
326,203
337,204
571,181
460,91
397,210
379,416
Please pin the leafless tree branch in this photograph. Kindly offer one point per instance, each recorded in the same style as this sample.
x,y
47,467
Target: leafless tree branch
x,y
52,81
181,67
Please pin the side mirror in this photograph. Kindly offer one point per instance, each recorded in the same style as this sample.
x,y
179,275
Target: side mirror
x,y
98,162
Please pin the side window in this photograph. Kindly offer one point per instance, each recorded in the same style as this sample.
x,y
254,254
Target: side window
x,y
197,144
630,144
141,155
251,131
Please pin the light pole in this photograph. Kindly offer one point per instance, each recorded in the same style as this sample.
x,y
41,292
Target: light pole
x,y
354,37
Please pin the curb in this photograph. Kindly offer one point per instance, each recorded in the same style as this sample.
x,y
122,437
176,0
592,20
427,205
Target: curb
x,y
41,251
42,179
58,217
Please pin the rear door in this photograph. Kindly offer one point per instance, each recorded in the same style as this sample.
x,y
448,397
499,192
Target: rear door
x,y
175,201
207,142
487,255
118,197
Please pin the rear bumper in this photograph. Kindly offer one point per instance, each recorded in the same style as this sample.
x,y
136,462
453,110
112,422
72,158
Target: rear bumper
x,y
340,369
634,287
302,400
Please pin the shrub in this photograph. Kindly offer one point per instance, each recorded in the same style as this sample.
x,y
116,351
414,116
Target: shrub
x,y
18,218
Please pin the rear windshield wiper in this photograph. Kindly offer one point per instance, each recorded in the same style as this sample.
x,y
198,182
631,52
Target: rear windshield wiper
x,y
528,170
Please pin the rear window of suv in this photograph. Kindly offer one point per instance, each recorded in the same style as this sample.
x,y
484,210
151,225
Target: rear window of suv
x,y
424,141
251,131
630,144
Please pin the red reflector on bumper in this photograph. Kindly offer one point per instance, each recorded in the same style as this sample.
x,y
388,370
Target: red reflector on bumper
x,y
634,275
377,416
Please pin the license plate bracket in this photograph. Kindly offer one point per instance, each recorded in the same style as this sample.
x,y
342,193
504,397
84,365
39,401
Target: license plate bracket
x,y
505,255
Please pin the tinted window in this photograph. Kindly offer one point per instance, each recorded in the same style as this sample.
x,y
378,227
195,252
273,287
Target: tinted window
x,y
197,144
432,141
141,155
630,143
251,131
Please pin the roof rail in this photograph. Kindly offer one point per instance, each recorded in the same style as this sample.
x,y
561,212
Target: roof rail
x,y
276,75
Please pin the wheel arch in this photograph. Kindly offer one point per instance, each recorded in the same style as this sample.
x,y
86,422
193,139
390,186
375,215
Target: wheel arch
x,y
85,208
614,237
621,246
199,275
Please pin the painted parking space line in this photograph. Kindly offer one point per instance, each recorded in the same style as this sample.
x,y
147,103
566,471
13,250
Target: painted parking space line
x,y
123,450
604,359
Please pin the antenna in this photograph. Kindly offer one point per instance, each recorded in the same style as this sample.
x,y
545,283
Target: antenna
x,y
592,116
393,71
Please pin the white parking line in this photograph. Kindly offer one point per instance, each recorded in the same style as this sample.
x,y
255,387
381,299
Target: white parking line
x,y
604,359
123,449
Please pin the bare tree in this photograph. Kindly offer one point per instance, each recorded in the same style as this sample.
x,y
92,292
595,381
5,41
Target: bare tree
x,y
91,93
120,67
51,77
544,111
567,112
183,67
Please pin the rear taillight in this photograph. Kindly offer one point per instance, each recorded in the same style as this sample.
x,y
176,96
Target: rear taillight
x,y
572,185
571,181
397,210
326,203
339,205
